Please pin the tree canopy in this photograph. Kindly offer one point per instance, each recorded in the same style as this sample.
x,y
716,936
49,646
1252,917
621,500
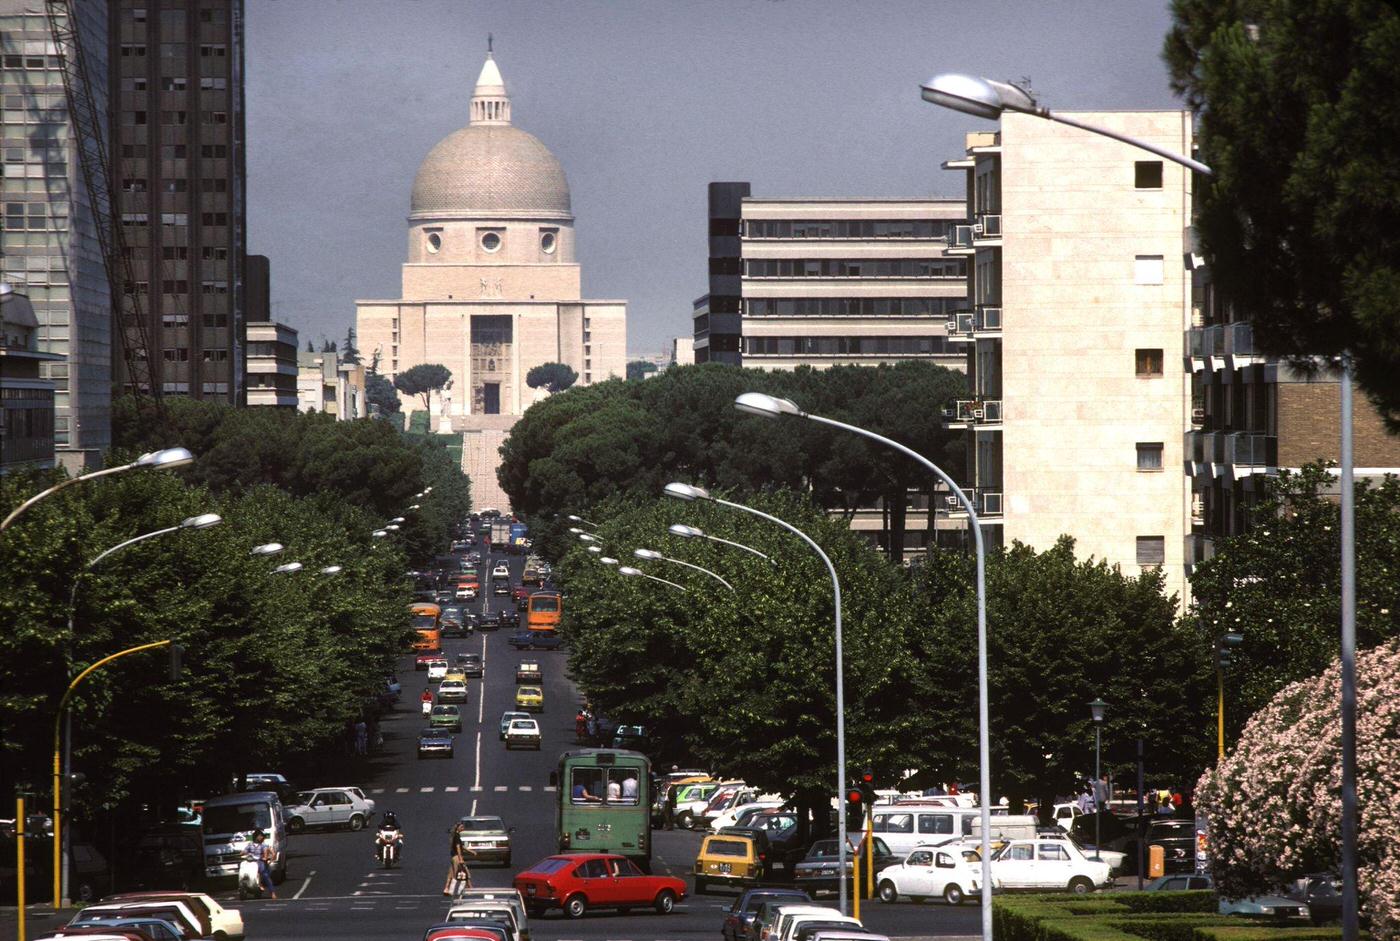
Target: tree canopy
x,y
554,377
1301,221
638,369
423,380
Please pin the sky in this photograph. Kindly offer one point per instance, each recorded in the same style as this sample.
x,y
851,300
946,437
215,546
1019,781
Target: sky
x,y
644,102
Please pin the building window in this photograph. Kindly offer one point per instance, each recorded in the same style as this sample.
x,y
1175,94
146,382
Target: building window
x,y
213,50
213,253
215,320
491,241
1147,269
133,50
176,286
213,150
177,185
172,83
1148,363
133,185
491,398
1149,455
178,354
172,152
1151,550
172,50
1147,174
171,321
434,243
216,356
173,117
134,151
214,218
213,84
548,241
215,117
214,287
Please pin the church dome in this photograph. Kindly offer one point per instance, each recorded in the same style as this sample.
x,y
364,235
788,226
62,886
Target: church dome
x,y
490,167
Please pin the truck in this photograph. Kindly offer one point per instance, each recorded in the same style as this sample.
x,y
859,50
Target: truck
x,y
519,538
500,535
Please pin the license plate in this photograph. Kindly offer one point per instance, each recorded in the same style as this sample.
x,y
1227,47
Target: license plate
x,y
726,868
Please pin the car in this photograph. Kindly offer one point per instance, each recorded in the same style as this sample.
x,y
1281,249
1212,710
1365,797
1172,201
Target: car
x,y
802,927
738,918
465,593
500,587
777,920
692,799
580,881
631,737
329,807
785,845
464,931
508,717
214,918
528,671
1178,841
500,570
479,913
731,859
437,669
530,698
932,872
730,817
173,910
446,716
456,674
1267,908
424,657
1114,858
523,733
488,838
817,872
495,897
392,686
452,691
520,594
1322,891
535,640
1047,864
471,664
437,742
145,928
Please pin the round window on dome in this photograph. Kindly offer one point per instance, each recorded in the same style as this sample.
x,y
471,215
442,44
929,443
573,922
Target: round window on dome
x,y
434,243
491,241
548,241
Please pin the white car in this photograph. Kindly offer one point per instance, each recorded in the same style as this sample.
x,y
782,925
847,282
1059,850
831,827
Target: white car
x,y
501,570
452,691
1114,858
465,593
330,807
227,923
437,669
729,817
1046,864
782,926
524,733
931,872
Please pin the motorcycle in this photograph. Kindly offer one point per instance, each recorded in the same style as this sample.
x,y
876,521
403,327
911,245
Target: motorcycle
x,y
388,844
427,708
249,884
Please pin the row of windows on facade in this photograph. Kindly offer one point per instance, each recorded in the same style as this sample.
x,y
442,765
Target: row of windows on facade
x,y
174,151
177,286
138,118
174,218
174,50
181,354
179,184
851,307
175,19
843,267
846,346
841,229
178,252
491,240
174,321
174,83
35,216
183,388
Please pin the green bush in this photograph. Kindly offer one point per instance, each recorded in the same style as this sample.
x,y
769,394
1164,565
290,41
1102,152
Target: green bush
x,y
1268,933
1164,902
1125,916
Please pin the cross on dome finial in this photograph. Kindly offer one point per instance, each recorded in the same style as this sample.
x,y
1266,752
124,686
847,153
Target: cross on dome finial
x,y
490,103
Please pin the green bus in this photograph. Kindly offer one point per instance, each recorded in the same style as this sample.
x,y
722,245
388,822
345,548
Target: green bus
x,y
604,803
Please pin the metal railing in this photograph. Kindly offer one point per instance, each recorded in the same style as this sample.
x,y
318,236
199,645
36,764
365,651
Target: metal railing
x,y
1250,449
975,411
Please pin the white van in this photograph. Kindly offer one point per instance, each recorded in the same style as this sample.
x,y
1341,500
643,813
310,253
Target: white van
x,y
228,824
905,826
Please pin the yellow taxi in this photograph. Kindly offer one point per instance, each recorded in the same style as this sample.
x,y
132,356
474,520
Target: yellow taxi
x,y
728,859
529,698
456,673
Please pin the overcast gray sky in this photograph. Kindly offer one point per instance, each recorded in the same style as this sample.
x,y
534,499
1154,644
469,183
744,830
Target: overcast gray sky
x,y
644,102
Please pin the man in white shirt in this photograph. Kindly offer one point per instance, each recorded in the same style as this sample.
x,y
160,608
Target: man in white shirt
x,y
629,788
614,790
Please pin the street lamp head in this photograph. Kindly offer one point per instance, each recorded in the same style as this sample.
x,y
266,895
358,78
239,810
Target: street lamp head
x,y
331,570
575,530
686,491
427,489
966,93
166,458
769,406
629,570
379,533
415,507
392,527
287,569
574,519
595,549
202,521
267,548
647,554
684,531
586,537
1098,707
608,560
397,519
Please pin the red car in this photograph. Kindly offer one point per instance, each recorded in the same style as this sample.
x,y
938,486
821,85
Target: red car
x,y
520,593
580,881
420,662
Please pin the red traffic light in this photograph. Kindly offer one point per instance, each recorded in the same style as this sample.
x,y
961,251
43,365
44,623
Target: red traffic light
x,y
868,777
854,796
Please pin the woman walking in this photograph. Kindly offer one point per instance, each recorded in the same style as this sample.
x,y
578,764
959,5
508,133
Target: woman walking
x,y
458,875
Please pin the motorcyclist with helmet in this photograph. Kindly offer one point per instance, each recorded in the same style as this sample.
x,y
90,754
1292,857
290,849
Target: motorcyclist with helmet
x,y
388,835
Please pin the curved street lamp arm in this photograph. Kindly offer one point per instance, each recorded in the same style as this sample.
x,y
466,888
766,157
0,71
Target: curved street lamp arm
x,y
131,542
661,580
14,515
667,558
740,545
1174,157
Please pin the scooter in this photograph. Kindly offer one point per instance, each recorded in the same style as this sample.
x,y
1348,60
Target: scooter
x,y
249,884
427,707
388,842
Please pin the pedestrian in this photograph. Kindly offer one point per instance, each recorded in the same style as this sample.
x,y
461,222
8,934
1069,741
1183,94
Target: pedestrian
x,y
1151,802
361,737
458,875
581,727
1103,793
1085,801
668,816
260,853
629,788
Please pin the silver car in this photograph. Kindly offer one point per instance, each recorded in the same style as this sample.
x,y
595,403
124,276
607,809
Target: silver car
x,y
330,807
488,838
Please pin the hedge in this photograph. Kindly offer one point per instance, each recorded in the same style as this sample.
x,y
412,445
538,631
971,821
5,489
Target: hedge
x,y
1268,933
1133,916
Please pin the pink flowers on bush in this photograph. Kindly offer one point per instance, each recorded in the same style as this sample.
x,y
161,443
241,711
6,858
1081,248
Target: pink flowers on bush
x,y
1275,805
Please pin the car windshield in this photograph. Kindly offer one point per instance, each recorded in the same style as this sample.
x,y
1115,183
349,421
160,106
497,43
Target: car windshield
x,y
431,733
445,710
237,818
545,603
551,865
529,691
522,724
823,849
483,823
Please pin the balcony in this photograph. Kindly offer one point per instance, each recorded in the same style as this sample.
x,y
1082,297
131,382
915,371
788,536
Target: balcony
x,y
986,230
986,502
1249,452
959,240
987,321
973,412
960,326
1239,345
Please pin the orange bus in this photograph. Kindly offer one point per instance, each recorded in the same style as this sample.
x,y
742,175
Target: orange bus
x,y
427,624
544,610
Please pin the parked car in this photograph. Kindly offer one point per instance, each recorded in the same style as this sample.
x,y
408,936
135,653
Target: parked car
x,y
462,931
781,923
1322,891
452,691
731,859
1115,859
485,913
174,911
1179,883
136,928
738,918
523,733
471,664
528,671
446,716
488,837
508,717
530,698
632,737
1178,841
167,856
580,881
435,742
931,872
213,917
1267,908
730,817
785,844
1046,864
330,807
818,870
691,799
507,896
535,640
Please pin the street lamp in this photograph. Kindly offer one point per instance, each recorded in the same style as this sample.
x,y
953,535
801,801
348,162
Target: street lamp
x,y
379,534
287,568
392,527
691,493
607,560
984,98
332,570
165,459
397,519
694,532
1097,708
589,537
653,555
595,549
579,519
633,572
768,406
267,548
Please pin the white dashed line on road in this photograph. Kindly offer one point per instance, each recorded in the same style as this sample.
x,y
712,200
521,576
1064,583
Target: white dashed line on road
x,y
452,789
551,788
525,787
376,790
425,790
304,884
400,790
501,787
476,787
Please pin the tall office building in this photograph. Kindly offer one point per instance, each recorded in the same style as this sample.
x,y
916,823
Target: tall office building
x,y
49,249
177,74
1081,302
819,282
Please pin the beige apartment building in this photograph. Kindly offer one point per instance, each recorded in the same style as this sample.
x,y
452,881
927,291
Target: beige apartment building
x,y
1080,303
491,287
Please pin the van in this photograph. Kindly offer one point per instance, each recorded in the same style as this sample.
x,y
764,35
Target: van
x,y
228,824
905,826
729,859
1008,827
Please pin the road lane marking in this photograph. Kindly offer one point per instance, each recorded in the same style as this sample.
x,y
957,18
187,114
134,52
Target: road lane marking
x,y
304,884
400,790
501,787
425,790
473,806
376,790
477,787
550,787
525,787
476,780
452,789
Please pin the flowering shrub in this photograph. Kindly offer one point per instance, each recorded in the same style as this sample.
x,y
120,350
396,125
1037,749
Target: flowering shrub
x,y
1275,805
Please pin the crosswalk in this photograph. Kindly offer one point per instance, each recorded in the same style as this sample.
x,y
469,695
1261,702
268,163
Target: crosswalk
x,y
453,789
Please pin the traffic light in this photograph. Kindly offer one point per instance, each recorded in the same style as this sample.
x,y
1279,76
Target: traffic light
x,y
867,787
1224,649
177,661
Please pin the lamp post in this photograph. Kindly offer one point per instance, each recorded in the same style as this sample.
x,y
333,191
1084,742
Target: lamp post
x,y
379,534
589,537
694,532
579,519
267,548
757,403
287,568
332,570
156,460
1097,708
634,572
653,555
691,493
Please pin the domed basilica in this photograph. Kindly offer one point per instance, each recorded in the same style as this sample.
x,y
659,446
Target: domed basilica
x,y
491,288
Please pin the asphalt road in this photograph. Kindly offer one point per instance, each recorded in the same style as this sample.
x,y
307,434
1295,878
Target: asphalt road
x,y
335,889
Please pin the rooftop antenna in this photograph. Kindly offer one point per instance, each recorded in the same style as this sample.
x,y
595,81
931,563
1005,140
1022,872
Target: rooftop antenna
x,y
488,43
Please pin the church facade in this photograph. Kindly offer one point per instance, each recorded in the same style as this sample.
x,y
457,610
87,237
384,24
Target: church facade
x,y
491,287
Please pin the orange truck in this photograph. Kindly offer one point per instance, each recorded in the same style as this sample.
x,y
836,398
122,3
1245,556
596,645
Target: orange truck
x,y
544,610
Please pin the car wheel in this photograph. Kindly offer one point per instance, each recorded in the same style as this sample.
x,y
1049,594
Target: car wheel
x,y
953,894
296,825
86,891
575,906
888,893
686,821
665,902
1080,885
701,887
357,822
